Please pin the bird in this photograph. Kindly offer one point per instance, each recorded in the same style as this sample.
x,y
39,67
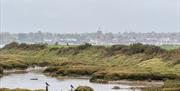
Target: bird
x,y
72,86
47,84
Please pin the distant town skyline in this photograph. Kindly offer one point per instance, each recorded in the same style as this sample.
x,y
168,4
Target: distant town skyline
x,y
27,32
96,38
85,16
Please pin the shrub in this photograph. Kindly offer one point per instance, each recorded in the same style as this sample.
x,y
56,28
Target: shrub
x,y
68,51
24,46
116,87
11,45
14,65
117,47
83,71
52,69
114,48
151,49
132,76
53,49
84,46
140,48
73,50
137,48
84,88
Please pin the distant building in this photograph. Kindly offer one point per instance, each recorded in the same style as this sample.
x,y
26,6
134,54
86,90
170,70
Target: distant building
x,y
22,37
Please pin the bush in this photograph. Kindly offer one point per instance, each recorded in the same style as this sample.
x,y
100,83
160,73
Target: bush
x,y
117,47
11,45
82,47
73,50
151,49
77,71
84,88
116,87
68,51
54,49
132,76
51,69
137,48
114,48
14,65
24,46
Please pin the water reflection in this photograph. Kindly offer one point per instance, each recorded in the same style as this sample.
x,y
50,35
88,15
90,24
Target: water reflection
x,y
25,81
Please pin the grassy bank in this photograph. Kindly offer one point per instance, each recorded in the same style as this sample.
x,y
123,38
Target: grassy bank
x,y
170,47
170,85
102,63
18,89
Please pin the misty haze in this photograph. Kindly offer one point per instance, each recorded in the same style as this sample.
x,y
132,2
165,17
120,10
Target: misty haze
x,y
77,16
89,45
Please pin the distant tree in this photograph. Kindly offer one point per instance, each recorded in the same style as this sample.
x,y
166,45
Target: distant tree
x,y
84,46
11,45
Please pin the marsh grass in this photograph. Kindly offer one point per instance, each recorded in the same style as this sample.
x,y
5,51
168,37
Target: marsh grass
x,y
136,61
169,85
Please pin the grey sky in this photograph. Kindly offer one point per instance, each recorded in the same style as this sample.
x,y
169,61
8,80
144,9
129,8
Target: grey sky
x,y
71,16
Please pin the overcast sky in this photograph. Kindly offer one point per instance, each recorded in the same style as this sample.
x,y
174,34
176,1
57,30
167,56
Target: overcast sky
x,y
77,16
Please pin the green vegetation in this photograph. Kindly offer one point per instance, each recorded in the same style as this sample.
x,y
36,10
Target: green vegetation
x,y
84,88
24,46
102,63
169,85
116,87
73,70
60,46
170,47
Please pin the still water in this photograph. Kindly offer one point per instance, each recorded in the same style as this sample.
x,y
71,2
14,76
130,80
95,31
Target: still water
x,y
23,81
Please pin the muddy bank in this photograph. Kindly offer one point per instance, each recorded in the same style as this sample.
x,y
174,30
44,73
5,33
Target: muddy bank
x,y
133,83
141,83
104,75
